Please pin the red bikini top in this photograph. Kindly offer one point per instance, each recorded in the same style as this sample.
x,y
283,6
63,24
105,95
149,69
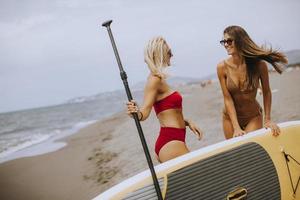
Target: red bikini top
x,y
172,101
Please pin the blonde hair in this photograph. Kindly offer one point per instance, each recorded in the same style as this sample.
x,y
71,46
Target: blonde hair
x,y
156,56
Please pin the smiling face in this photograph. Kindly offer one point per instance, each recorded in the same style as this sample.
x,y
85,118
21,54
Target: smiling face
x,y
229,44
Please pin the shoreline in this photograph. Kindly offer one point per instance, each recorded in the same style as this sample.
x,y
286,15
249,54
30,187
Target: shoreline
x,y
50,144
109,151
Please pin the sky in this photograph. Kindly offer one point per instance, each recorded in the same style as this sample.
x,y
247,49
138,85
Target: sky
x,y
55,50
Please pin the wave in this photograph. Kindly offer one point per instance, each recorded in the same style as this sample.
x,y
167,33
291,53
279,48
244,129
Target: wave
x,y
18,143
22,143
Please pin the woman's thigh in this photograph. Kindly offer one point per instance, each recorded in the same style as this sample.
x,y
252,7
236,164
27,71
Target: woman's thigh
x,y
254,124
172,150
227,128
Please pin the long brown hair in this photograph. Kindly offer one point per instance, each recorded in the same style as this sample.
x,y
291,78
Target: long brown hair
x,y
252,53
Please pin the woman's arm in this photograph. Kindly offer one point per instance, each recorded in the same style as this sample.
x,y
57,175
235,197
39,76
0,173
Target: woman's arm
x,y
194,128
267,98
267,95
150,93
228,102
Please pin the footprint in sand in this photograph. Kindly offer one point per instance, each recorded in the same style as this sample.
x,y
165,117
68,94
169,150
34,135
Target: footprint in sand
x,y
102,171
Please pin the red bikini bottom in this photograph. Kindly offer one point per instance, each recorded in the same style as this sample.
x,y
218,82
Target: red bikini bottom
x,y
168,134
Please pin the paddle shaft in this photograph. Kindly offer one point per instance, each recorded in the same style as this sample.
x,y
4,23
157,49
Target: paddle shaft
x,y
135,116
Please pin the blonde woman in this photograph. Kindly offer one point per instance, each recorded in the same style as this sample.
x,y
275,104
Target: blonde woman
x,y
166,102
240,76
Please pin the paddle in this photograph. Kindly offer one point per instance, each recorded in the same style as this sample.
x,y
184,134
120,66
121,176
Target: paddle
x,y
135,116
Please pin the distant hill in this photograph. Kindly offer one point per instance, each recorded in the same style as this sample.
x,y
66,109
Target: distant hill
x,y
176,81
293,57
137,90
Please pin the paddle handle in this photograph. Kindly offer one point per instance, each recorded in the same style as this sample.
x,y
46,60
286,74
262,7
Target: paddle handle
x,y
135,116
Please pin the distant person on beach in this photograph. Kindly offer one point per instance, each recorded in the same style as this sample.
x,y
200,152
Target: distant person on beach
x,y
166,102
240,75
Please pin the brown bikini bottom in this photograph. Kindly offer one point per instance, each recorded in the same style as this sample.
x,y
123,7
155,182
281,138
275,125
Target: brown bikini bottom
x,y
243,120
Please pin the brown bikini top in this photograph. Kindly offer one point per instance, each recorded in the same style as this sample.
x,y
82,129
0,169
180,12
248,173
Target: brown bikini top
x,y
234,89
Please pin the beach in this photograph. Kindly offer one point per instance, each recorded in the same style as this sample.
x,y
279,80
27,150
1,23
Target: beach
x,y
109,151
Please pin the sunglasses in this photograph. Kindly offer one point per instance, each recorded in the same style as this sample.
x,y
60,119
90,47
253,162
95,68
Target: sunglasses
x,y
170,53
228,42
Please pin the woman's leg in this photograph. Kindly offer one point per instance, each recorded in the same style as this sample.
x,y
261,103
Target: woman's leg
x,y
172,150
254,124
227,127
157,158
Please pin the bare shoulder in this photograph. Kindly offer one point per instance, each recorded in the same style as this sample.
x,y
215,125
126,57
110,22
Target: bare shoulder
x,y
262,66
221,64
262,63
153,82
221,67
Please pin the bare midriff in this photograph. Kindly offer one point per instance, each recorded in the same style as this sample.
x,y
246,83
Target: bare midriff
x,y
171,118
246,104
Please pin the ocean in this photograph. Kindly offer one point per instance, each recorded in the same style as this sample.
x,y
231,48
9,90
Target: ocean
x,y
20,131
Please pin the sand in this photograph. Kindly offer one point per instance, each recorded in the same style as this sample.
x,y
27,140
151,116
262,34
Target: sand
x,y
109,151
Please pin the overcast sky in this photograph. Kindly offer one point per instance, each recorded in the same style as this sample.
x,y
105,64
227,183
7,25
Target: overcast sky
x,y
51,51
